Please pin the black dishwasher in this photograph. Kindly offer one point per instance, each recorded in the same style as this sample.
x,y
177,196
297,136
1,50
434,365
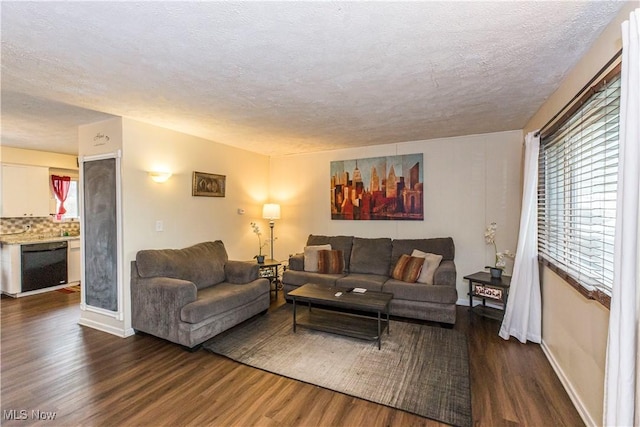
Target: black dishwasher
x,y
44,265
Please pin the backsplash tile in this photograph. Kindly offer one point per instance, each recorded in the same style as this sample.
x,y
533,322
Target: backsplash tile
x,y
39,225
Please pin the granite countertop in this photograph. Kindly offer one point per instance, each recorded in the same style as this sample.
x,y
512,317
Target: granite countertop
x,y
18,239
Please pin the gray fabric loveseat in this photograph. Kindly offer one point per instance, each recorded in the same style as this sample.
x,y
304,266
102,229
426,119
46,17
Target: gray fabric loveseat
x,y
189,295
371,263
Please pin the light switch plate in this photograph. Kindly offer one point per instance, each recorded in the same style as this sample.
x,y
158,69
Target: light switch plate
x,y
159,226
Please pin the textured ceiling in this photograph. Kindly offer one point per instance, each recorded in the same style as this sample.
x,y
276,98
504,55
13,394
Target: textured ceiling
x,y
287,77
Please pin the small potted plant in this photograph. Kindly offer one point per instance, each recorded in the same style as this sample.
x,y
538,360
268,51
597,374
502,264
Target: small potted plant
x,y
256,230
500,261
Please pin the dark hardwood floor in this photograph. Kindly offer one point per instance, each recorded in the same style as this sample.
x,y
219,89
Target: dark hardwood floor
x,y
52,365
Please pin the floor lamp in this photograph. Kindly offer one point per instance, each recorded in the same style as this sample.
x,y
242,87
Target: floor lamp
x,y
271,211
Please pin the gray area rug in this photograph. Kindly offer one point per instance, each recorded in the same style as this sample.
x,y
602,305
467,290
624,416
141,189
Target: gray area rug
x,y
420,369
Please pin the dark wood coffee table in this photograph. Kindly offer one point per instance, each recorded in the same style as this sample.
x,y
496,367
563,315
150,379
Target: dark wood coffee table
x,y
342,323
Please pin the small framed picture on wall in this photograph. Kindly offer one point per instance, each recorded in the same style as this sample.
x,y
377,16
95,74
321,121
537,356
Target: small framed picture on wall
x,y
208,184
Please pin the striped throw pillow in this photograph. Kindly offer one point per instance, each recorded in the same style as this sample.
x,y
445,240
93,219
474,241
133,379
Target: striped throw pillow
x,y
330,262
407,268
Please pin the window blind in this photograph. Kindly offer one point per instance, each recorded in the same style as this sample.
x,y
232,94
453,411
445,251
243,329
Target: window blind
x,y
578,171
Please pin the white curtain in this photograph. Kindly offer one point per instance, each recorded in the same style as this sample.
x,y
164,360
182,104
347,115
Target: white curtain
x,y
523,314
621,378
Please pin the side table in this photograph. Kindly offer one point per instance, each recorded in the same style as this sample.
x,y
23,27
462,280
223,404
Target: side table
x,y
482,285
269,269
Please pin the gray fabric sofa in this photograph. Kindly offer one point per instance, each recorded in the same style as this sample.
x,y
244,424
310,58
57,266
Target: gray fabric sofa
x,y
189,295
369,263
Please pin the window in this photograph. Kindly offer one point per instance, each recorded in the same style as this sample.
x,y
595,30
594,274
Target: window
x,y
72,203
578,174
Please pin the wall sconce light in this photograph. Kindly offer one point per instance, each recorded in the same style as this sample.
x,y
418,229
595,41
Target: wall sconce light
x,y
271,211
160,176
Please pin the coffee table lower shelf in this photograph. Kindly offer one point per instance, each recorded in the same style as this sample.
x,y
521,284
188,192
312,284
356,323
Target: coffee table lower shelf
x,y
351,325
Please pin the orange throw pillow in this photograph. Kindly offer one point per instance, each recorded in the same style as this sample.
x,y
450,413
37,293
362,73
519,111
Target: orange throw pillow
x,y
408,268
330,262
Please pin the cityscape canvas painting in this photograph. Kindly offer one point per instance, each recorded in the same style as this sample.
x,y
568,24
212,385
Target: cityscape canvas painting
x,y
378,188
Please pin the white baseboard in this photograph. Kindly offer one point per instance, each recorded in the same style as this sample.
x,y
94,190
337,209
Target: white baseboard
x,y
39,291
575,399
105,328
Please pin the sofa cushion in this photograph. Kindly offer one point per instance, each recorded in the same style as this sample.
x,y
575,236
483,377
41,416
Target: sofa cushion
x,y
220,298
202,264
372,282
370,256
445,274
311,256
299,278
431,263
342,243
296,262
408,268
441,246
240,272
420,292
330,262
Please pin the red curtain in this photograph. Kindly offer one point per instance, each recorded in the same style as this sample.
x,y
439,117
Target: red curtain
x,y
61,190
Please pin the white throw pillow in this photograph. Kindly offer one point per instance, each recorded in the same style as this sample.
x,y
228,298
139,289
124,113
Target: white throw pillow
x,y
431,263
311,256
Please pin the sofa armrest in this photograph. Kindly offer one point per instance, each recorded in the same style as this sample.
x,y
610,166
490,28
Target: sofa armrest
x,y
296,262
240,272
445,274
156,303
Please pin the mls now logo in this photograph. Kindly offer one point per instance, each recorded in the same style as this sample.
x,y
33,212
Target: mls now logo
x,y
42,415
14,414
23,414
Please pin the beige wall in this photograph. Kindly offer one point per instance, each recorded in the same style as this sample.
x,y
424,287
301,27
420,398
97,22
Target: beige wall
x,y
38,158
574,329
574,333
186,219
469,182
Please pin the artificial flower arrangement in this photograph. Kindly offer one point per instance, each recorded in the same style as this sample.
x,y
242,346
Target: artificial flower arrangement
x,y
256,230
500,257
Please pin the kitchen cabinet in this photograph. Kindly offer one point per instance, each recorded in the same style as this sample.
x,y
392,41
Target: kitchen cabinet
x,y
11,259
10,274
25,191
73,261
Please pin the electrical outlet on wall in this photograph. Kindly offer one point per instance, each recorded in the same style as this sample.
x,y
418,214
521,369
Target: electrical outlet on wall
x,y
159,225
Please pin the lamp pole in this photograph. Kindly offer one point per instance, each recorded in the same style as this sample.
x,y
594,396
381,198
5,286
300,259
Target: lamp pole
x,y
271,211
271,224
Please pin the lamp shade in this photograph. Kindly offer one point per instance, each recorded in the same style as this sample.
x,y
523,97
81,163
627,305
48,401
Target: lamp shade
x,y
271,211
